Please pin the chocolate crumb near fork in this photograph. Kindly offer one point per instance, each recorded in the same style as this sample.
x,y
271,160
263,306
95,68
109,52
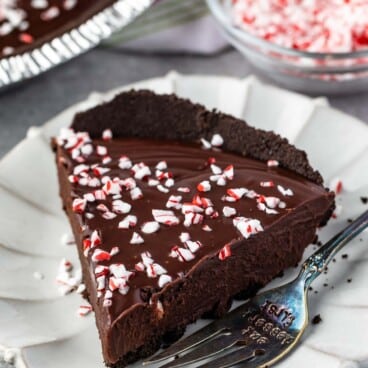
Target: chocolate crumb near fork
x,y
316,319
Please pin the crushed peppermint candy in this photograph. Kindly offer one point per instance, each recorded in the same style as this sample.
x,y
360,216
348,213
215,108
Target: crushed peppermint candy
x,y
229,211
165,217
107,135
136,239
247,227
120,207
225,252
272,163
174,201
128,222
182,254
163,280
150,227
84,310
204,186
217,140
326,26
125,163
336,185
285,191
79,205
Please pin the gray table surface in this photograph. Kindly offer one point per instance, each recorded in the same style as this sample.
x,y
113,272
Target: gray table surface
x,y
37,100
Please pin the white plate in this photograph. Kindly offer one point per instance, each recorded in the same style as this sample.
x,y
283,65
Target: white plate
x,y
42,327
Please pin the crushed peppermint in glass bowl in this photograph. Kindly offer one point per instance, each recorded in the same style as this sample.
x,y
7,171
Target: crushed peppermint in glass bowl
x,y
315,46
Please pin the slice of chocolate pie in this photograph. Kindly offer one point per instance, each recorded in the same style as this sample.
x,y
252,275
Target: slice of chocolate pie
x,y
176,210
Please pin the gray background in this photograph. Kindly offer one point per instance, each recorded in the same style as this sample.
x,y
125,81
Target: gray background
x,y
37,100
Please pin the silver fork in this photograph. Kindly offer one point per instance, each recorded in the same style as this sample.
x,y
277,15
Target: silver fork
x,y
264,329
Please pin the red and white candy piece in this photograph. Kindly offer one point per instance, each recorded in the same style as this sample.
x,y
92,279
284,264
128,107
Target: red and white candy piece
x,y
336,185
154,269
184,189
89,197
107,135
184,237
120,207
116,283
118,270
84,310
101,150
285,191
114,251
205,144
163,280
136,193
165,217
193,246
79,205
204,186
87,150
82,168
99,195
217,140
264,208
206,228
192,218
237,193
174,202
225,252
272,163
106,160
128,222
229,172
65,266
216,170
111,187
247,226
182,254
125,163
162,189
108,215
229,211
136,239
190,207
150,227
162,165
100,255
267,184
100,171
141,170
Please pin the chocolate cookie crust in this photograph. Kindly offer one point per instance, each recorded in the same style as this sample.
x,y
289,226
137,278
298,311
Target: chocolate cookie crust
x,y
144,114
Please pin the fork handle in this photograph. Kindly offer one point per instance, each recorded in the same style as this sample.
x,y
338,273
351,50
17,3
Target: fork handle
x,y
318,261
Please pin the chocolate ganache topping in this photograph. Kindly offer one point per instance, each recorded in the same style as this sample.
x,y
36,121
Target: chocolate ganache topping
x,y
150,209
25,24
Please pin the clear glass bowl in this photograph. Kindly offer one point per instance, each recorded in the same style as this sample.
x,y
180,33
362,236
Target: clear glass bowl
x,y
313,73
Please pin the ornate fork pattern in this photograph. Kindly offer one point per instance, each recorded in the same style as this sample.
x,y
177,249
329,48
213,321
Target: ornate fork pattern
x,y
264,329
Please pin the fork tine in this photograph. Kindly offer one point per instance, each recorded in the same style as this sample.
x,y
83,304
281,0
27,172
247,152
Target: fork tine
x,y
205,350
210,331
241,355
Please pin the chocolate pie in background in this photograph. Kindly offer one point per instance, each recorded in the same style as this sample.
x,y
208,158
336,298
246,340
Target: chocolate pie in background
x,y
26,24
176,211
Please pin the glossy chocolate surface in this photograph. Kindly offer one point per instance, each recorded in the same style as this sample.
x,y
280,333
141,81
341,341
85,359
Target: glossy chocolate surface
x,y
189,165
